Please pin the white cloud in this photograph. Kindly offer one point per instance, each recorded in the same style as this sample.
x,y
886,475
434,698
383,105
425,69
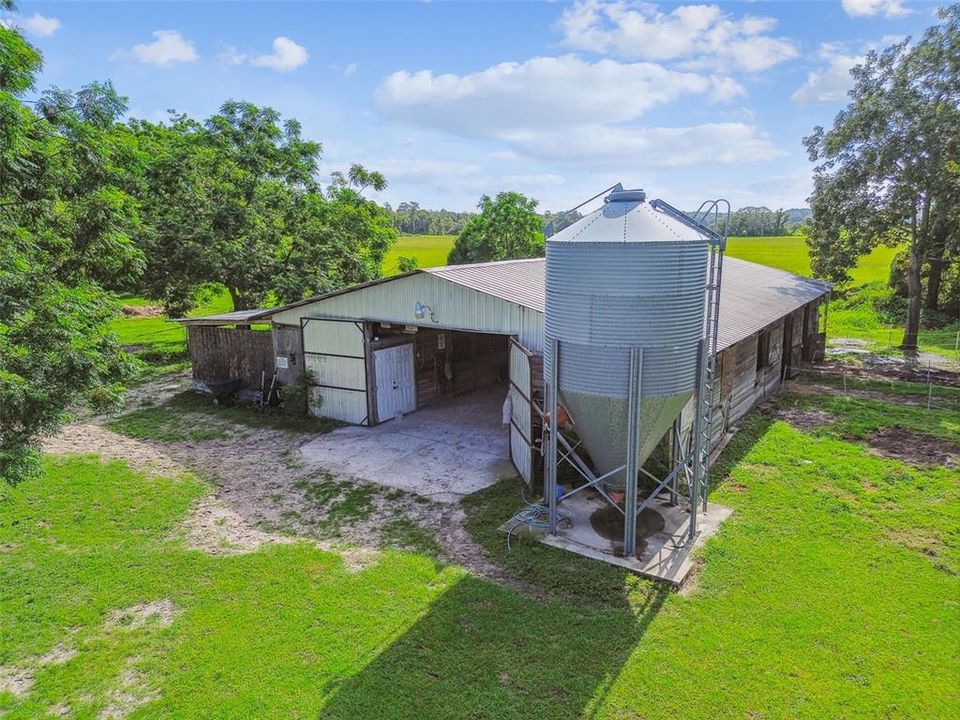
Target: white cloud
x,y
830,82
350,69
540,92
169,46
868,8
424,172
286,56
699,35
651,148
36,24
534,180
231,56
568,110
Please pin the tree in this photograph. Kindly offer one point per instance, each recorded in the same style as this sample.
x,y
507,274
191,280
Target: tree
x,y
63,225
235,201
886,170
507,227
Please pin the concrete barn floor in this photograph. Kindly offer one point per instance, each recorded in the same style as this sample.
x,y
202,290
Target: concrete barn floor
x,y
444,451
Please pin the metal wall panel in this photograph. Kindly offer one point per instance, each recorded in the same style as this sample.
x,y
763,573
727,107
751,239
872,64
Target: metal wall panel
x,y
521,422
335,352
454,307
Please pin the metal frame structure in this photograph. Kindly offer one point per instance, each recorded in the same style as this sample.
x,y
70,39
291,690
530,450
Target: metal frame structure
x,y
693,461
366,370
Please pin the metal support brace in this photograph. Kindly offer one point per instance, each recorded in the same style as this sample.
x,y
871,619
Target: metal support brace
x,y
550,471
633,440
675,454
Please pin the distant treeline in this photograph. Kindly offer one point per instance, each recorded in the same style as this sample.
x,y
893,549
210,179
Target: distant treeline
x,y
762,221
411,219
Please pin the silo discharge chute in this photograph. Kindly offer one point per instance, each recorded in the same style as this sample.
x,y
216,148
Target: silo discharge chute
x,y
632,292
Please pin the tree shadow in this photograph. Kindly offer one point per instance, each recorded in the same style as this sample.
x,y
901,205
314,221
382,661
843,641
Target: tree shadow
x,y
483,651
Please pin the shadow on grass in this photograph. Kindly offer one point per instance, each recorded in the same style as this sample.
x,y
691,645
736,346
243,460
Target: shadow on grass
x,y
482,651
753,428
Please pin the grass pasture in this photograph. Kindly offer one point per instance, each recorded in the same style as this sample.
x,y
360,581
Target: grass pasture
x,y
429,251
830,592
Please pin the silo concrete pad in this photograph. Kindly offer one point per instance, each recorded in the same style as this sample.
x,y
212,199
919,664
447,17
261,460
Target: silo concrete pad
x,y
664,555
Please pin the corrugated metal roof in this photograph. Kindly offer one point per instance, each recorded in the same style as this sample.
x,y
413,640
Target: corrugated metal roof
x,y
240,317
517,281
752,296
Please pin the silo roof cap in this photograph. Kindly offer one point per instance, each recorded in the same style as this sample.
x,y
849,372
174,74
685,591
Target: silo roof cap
x,y
627,217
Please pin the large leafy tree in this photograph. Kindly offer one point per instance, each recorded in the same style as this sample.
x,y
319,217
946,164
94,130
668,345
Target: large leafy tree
x,y
64,226
235,201
887,170
507,227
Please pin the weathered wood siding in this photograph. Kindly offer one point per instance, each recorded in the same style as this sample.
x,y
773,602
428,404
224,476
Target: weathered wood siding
x,y
222,353
288,343
475,360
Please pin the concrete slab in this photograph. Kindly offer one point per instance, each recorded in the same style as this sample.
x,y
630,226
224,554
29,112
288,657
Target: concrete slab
x,y
445,451
665,556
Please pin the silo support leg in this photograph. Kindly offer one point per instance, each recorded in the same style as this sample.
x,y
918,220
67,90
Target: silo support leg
x,y
550,469
633,439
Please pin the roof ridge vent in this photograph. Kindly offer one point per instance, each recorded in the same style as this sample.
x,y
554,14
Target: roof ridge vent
x,y
636,195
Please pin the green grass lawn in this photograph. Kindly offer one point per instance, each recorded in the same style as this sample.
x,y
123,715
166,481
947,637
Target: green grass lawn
x,y
429,250
830,592
159,343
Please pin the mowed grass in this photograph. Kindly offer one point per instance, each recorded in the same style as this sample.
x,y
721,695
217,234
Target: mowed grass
x,y
790,253
830,592
429,251
161,345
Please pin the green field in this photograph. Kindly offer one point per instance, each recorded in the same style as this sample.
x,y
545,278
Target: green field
x,y
429,251
830,592
160,343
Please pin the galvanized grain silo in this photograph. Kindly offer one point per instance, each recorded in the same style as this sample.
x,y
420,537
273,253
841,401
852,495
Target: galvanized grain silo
x,y
625,298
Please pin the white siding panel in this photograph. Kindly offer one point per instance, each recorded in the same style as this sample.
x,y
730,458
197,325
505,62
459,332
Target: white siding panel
x,y
334,351
346,406
455,307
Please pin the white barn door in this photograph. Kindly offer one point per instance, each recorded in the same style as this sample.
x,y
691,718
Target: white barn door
x,y
521,416
334,350
396,381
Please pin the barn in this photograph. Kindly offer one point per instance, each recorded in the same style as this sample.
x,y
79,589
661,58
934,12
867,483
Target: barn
x,y
386,348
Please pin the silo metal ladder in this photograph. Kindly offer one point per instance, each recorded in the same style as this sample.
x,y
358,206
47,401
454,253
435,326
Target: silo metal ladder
x,y
709,211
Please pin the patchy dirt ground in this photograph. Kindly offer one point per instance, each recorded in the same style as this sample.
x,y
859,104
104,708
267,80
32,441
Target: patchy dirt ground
x,y
802,419
264,493
162,612
914,448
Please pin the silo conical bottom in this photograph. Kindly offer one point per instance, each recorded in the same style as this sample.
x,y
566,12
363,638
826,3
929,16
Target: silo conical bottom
x,y
601,423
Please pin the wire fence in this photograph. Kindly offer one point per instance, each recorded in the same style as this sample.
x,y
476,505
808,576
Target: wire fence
x,y
927,387
886,351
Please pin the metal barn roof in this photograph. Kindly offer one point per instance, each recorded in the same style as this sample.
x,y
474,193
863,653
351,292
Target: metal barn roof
x,y
751,297
237,317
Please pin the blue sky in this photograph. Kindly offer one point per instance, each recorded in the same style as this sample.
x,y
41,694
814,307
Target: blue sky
x,y
452,100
